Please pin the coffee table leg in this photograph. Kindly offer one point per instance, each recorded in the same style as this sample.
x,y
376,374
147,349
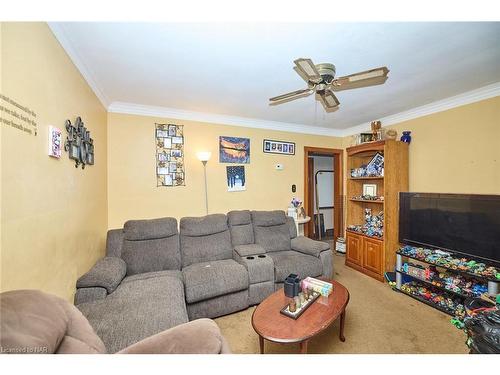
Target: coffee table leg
x,y
261,344
303,347
342,321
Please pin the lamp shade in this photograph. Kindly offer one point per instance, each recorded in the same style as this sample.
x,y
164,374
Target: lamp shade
x,y
203,155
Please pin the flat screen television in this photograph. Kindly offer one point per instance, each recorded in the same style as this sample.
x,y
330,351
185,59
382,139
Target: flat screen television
x,y
461,223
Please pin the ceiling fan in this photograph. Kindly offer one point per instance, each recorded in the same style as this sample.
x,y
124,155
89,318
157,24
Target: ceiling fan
x,y
321,79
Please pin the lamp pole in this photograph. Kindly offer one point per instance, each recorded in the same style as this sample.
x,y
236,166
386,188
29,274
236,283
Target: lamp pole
x,y
206,186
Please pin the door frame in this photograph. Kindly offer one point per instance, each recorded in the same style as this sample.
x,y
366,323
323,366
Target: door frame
x,y
338,188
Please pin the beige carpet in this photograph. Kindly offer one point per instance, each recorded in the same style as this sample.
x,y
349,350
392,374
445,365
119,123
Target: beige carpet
x,y
378,320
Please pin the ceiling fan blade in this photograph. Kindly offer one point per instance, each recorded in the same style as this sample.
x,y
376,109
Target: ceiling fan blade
x,y
308,69
328,99
362,79
301,73
291,95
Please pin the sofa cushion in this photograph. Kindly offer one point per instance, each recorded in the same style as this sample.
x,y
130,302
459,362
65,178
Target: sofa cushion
x,y
151,245
268,218
271,230
205,239
137,230
203,226
215,278
148,275
136,310
240,225
308,246
287,262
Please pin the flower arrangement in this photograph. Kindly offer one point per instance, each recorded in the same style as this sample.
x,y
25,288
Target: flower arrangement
x,y
295,202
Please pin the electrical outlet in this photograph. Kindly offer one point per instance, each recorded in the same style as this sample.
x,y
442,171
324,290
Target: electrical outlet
x,y
279,167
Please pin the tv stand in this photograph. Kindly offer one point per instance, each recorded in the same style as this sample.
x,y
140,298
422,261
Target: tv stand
x,y
479,276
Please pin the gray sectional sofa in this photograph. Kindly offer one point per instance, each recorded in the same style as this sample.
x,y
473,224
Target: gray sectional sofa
x,y
155,276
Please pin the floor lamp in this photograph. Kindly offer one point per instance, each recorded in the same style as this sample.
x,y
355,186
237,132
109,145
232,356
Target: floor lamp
x,y
204,157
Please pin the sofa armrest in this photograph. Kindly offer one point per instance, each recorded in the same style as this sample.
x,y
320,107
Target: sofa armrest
x,y
247,250
307,246
107,273
201,336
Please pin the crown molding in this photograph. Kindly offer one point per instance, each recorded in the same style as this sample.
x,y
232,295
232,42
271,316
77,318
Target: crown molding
x,y
180,114
58,31
468,97
482,93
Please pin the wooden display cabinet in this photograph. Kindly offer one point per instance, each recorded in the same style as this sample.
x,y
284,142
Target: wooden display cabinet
x,y
373,255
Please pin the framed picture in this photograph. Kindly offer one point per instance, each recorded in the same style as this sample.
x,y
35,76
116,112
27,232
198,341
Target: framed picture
x,y
370,190
234,150
270,146
366,137
236,178
169,155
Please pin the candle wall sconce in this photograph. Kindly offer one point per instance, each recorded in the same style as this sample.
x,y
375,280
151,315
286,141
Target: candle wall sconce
x,y
79,144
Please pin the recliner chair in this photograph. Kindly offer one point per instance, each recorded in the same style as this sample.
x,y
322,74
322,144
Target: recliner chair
x,y
36,322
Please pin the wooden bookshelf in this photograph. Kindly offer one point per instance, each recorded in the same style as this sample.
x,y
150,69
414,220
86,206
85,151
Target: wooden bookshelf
x,y
373,255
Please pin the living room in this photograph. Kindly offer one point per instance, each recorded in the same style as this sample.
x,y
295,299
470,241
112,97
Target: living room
x,y
159,193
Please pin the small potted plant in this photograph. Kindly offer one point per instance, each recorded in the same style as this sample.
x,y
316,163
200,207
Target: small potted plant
x,y
294,207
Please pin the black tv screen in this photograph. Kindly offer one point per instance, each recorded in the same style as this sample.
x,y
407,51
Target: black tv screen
x,y
463,223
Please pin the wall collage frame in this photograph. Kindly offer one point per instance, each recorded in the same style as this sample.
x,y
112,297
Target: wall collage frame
x,y
170,155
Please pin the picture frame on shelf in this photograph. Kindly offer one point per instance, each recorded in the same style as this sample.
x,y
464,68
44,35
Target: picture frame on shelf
x,y
370,190
366,137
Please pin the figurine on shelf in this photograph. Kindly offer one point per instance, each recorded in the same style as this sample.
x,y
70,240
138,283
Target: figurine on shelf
x,y
377,134
406,137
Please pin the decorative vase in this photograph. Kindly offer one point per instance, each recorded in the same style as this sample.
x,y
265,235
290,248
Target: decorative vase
x,y
406,137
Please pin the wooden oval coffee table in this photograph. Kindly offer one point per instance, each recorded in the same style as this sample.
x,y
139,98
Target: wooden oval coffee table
x,y
271,325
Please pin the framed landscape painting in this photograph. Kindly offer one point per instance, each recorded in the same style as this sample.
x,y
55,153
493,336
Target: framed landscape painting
x,y
234,150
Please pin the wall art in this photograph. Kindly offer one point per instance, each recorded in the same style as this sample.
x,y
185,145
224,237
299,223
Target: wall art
x,y
79,144
234,150
169,155
236,178
55,136
278,147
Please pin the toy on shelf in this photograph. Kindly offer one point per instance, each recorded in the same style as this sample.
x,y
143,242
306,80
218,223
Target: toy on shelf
x,y
375,168
368,198
452,305
447,260
465,286
373,226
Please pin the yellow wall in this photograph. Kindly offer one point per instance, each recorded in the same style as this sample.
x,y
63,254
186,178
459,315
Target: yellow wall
x,y
132,191
455,151
54,216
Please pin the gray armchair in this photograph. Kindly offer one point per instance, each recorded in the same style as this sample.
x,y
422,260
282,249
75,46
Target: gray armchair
x,y
35,322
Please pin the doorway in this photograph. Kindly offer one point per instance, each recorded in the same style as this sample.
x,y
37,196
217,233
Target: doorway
x,y
323,192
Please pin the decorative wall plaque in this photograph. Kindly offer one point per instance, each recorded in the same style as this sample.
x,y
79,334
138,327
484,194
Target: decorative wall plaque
x,y
79,144
169,155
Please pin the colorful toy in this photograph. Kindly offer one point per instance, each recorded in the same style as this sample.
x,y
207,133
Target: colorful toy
x,y
447,260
